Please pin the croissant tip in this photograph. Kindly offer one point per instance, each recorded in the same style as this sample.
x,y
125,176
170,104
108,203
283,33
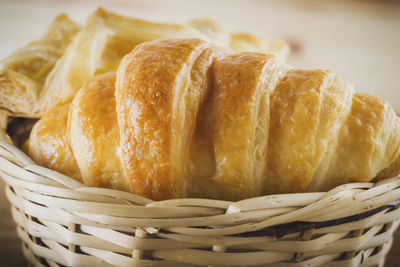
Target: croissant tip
x,y
61,16
100,12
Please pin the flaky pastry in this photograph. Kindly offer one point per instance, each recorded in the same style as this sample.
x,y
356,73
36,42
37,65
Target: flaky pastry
x,y
47,72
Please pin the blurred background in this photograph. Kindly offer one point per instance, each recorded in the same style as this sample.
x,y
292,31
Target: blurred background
x,y
359,40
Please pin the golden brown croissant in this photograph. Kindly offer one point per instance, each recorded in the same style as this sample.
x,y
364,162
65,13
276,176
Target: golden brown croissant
x,y
31,82
192,120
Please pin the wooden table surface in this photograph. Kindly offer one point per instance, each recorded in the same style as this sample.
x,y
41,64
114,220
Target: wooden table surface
x,y
360,40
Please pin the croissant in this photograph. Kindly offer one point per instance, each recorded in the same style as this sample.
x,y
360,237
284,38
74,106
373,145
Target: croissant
x,y
66,60
187,119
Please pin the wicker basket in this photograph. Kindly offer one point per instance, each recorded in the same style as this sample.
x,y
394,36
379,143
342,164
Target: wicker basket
x,y
63,222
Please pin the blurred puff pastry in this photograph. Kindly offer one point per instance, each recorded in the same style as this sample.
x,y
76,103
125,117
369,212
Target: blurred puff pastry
x,y
47,72
25,71
191,120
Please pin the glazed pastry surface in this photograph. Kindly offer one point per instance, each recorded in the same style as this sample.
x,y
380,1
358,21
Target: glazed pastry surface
x,y
193,120
94,134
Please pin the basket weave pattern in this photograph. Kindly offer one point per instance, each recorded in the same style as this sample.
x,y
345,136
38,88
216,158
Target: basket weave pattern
x,y
63,222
